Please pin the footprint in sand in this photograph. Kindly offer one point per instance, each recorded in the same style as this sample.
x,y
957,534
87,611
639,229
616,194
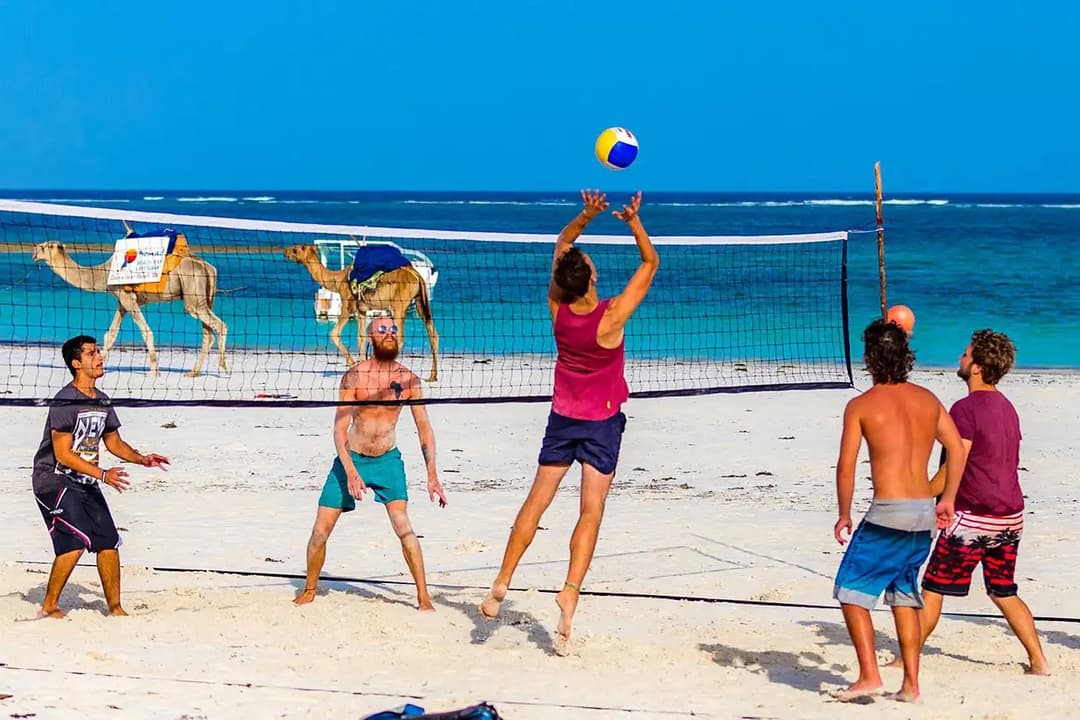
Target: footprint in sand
x,y
471,546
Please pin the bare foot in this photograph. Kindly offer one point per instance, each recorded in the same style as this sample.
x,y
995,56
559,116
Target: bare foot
x,y
117,612
905,696
1038,668
305,596
895,663
55,614
489,608
858,690
562,646
425,605
567,600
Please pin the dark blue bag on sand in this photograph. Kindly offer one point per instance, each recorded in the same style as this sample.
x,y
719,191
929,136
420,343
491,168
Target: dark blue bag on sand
x,y
407,711
483,711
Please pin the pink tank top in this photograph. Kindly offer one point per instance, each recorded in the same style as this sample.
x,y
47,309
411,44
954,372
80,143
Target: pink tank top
x,y
589,382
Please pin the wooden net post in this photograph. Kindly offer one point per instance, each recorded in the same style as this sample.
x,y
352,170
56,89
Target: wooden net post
x,y
880,238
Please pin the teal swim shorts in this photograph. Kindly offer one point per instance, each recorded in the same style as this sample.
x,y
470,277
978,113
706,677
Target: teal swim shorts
x,y
385,475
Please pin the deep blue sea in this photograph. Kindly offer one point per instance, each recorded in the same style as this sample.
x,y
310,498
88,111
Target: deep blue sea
x,y
961,262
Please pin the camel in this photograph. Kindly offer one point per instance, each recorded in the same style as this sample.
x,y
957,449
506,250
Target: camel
x,y
194,281
394,292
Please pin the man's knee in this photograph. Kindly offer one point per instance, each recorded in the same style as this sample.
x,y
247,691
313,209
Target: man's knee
x,y
592,509
325,520
69,557
1002,598
399,521
319,536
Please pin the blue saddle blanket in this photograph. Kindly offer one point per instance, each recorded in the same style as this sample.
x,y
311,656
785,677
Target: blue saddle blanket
x,y
371,259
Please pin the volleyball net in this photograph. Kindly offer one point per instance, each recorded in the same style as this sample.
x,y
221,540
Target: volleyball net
x,y
253,305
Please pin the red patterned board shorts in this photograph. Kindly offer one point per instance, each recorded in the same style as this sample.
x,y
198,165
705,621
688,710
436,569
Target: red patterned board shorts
x,y
992,540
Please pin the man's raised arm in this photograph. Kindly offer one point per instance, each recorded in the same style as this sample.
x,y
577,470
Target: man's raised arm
x,y
595,204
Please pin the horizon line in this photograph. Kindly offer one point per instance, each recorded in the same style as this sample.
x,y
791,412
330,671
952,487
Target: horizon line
x,y
248,190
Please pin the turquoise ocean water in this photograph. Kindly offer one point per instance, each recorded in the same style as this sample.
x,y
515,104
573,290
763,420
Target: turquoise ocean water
x,y
962,262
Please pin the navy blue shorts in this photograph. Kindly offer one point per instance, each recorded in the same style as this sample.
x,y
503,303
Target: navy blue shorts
x,y
78,518
595,442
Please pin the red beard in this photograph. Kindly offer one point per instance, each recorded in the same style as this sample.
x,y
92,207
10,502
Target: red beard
x,y
385,353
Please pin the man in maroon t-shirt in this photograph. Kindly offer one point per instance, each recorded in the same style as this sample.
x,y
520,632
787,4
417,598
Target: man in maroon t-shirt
x,y
989,505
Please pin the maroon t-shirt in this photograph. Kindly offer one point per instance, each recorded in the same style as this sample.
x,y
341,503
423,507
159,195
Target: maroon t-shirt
x,y
991,484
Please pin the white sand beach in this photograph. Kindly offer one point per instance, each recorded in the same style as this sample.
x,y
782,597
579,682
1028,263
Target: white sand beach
x,y
724,497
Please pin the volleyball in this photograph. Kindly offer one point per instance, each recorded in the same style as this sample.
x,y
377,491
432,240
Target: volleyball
x,y
617,148
902,316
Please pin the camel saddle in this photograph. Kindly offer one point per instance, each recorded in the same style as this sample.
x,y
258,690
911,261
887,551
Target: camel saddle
x,y
370,263
177,251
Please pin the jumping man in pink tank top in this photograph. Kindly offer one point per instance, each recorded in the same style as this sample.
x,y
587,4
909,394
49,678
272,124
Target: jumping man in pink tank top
x,y
586,422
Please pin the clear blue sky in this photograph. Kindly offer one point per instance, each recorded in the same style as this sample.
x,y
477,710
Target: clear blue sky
x,y
450,94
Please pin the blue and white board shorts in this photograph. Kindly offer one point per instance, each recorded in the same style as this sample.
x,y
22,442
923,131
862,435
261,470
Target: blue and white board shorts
x,y
885,554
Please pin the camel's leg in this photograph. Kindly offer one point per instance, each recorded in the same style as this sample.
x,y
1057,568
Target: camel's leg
x,y
198,310
399,312
417,292
222,331
113,331
335,336
363,324
349,310
207,317
433,338
359,310
144,328
363,328
360,337
207,341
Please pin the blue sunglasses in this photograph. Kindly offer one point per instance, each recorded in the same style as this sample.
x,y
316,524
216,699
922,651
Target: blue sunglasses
x,y
383,329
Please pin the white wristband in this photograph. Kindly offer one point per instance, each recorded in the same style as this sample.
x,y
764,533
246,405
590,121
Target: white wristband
x,y
103,474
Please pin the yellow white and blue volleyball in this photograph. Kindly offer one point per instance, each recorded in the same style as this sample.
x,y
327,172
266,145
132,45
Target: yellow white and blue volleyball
x,y
617,148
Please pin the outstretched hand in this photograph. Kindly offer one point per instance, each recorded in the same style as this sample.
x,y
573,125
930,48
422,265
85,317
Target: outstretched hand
x,y
153,460
116,478
629,212
595,203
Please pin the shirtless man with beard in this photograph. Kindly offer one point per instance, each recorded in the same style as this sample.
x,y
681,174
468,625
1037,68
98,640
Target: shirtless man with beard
x,y
368,459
